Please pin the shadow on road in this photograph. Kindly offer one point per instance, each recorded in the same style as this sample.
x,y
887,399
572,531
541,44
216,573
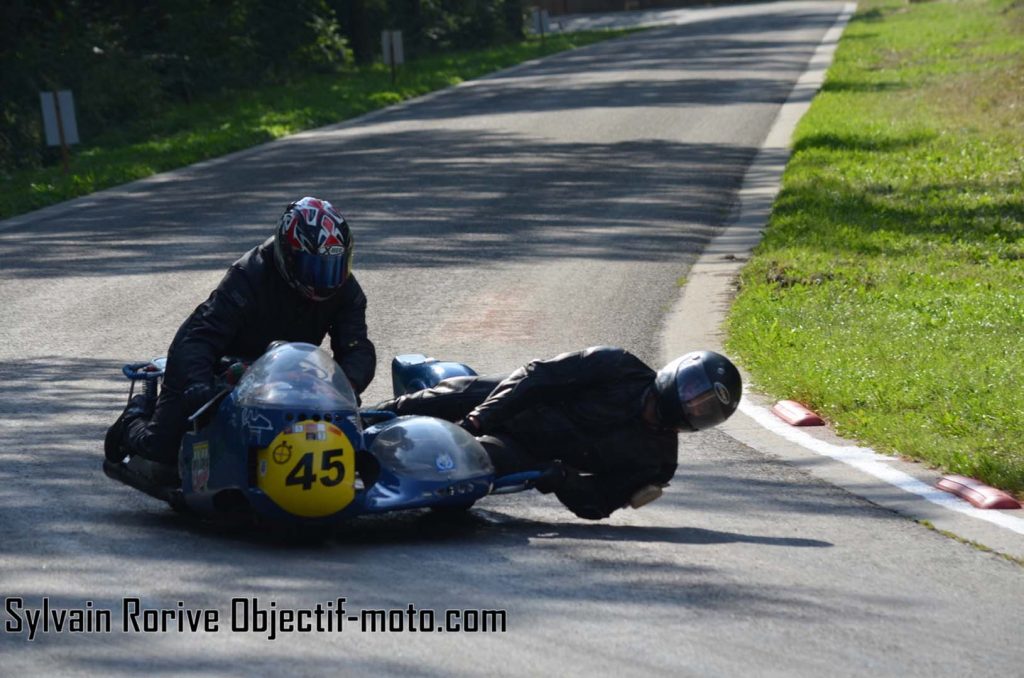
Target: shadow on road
x,y
437,197
202,218
670,535
414,198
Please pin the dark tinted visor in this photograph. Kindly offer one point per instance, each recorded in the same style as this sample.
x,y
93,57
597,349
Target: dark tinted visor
x,y
321,271
700,404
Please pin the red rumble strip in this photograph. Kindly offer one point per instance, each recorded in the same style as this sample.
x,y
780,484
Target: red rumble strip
x,y
795,414
982,496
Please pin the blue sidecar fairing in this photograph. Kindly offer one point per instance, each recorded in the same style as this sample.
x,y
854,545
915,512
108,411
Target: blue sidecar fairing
x,y
289,442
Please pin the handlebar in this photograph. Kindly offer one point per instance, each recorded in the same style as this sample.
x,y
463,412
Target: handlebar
x,y
146,371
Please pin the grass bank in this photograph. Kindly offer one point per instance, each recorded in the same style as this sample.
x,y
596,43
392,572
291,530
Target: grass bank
x,y
185,134
888,292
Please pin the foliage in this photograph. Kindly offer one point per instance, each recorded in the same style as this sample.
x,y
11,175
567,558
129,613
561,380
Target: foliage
x,y
126,60
429,26
180,133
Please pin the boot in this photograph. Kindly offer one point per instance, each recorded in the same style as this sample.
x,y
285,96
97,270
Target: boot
x,y
113,442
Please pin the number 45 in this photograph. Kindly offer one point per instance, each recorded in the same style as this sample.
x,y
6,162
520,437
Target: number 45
x,y
330,463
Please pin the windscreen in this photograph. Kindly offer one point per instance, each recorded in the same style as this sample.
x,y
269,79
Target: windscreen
x,y
424,448
296,376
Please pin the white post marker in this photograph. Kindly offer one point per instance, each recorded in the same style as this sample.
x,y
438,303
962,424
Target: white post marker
x,y
391,48
541,22
59,124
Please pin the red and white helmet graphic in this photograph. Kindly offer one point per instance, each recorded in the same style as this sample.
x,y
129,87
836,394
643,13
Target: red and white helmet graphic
x,y
313,248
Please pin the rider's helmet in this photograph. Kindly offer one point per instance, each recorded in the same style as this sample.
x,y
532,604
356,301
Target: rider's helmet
x,y
313,248
697,390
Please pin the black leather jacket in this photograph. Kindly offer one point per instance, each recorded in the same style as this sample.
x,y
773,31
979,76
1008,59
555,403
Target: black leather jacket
x,y
253,306
584,409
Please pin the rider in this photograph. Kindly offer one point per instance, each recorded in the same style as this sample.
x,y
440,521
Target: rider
x,y
607,421
296,286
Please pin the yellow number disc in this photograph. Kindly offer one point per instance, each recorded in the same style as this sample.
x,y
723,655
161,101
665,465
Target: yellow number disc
x,y
309,469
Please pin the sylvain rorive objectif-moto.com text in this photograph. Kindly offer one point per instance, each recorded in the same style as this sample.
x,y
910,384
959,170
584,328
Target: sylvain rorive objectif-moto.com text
x,y
244,615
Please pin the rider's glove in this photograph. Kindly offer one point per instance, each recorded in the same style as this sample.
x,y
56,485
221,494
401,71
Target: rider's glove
x,y
197,395
471,424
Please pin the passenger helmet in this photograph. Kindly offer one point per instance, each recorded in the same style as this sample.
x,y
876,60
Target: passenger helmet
x,y
697,391
313,248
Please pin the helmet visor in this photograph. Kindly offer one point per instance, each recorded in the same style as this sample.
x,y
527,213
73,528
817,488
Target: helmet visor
x,y
701,404
322,272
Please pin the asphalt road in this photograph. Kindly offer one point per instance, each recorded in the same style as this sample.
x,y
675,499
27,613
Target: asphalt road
x,y
548,208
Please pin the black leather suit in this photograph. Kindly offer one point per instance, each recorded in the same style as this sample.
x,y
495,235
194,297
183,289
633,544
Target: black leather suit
x,y
251,307
582,409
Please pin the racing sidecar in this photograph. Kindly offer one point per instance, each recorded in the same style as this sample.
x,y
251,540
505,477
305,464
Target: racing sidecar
x,y
289,445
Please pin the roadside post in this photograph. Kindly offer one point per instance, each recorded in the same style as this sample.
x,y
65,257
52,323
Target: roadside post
x,y
59,124
391,46
541,23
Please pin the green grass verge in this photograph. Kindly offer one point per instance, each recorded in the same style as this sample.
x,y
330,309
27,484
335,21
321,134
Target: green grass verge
x,y
185,134
888,292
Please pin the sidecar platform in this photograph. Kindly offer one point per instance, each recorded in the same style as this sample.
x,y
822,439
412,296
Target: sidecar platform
x,y
121,473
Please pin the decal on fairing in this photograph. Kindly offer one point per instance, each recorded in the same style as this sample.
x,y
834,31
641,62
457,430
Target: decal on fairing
x,y
200,466
282,453
308,469
257,425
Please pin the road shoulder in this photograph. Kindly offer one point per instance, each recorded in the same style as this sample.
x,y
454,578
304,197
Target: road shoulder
x,y
707,296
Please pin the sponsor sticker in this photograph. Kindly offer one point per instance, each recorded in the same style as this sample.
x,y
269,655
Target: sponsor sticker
x,y
200,466
282,453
